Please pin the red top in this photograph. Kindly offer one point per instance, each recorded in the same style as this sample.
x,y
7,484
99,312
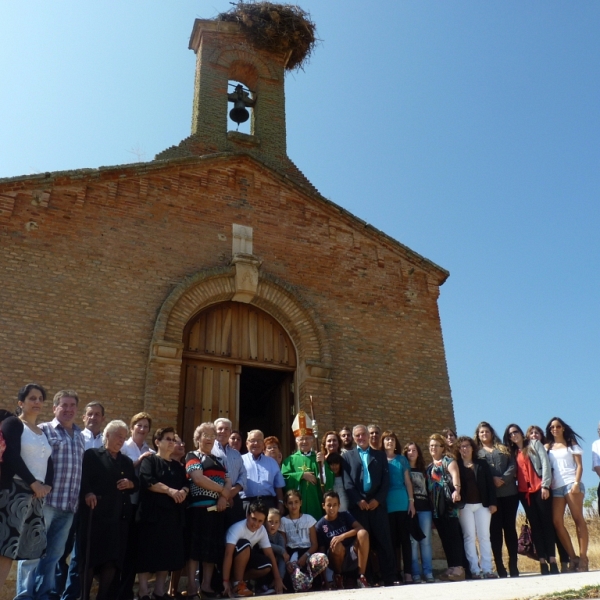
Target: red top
x,y
527,479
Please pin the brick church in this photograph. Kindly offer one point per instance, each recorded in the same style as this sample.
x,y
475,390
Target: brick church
x,y
216,281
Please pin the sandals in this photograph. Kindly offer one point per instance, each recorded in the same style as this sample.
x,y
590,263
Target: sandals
x,y
574,564
583,565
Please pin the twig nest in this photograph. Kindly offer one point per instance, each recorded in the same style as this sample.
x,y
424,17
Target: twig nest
x,y
284,28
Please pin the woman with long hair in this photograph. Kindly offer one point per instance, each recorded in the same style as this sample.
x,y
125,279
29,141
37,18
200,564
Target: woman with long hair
x,y
445,517
400,503
331,443
422,505
504,520
451,437
478,493
535,432
565,456
534,477
26,480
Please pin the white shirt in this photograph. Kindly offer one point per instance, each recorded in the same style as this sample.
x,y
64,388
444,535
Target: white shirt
x,y
239,531
297,531
131,449
596,454
563,465
35,451
91,441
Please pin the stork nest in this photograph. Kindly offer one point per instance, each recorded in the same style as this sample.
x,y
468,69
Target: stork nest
x,y
284,28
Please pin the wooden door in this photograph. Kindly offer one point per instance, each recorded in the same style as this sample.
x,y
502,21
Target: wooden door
x,y
209,392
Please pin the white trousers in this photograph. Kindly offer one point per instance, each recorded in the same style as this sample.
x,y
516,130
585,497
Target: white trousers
x,y
475,523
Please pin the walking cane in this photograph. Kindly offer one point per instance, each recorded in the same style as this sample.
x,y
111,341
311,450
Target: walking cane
x,y
88,544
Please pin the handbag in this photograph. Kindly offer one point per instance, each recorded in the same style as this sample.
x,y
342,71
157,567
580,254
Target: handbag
x,y
525,545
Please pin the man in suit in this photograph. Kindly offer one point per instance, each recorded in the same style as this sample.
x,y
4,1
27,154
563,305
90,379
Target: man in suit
x,y
367,481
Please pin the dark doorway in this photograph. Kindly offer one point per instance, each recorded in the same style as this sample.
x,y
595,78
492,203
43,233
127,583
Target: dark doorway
x,y
266,403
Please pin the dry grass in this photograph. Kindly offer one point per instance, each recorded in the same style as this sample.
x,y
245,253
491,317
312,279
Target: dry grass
x,y
284,28
527,565
588,591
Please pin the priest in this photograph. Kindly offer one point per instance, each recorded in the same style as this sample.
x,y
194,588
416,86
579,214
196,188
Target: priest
x,y
301,470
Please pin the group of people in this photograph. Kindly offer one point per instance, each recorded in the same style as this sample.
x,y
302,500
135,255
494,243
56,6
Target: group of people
x,y
99,502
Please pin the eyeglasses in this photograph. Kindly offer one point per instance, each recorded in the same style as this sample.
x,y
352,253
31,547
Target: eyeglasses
x,y
209,437
514,432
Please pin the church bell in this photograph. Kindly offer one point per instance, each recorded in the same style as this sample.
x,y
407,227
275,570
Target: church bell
x,y
241,101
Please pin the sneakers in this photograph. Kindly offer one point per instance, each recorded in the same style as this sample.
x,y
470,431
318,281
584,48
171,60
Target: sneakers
x,y
429,578
240,590
490,575
264,590
362,582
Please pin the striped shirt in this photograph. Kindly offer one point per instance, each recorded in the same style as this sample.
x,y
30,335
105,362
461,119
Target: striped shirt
x,y
67,457
209,466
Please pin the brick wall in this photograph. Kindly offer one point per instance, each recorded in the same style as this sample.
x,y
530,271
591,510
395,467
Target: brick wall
x,y
88,259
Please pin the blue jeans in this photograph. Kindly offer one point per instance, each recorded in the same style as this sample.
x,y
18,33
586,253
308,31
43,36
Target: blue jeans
x,y
36,578
425,521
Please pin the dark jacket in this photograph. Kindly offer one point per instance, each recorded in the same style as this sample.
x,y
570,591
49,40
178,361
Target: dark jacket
x,y
107,532
353,477
12,463
485,481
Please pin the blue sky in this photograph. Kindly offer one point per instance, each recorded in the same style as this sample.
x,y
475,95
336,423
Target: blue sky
x,y
468,131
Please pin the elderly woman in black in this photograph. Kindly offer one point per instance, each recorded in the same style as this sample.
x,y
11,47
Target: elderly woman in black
x,y
107,481
504,520
26,479
209,491
163,490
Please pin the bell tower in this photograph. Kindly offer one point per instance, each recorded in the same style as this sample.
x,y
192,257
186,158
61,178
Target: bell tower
x,y
224,54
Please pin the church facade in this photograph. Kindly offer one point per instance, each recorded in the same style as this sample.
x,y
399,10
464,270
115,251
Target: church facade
x,y
217,281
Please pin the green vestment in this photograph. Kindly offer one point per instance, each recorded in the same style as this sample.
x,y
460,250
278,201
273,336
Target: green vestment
x,y
293,468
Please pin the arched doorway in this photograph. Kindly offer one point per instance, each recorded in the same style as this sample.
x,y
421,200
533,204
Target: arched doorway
x,y
239,363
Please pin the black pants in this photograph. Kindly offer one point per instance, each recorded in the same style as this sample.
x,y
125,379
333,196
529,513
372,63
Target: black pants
x,y
268,501
125,578
539,514
401,538
235,513
378,527
504,525
450,534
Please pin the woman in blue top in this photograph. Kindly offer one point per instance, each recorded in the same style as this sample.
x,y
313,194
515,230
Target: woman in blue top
x,y
400,502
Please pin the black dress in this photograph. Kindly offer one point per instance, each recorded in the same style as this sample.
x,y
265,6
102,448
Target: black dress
x,y
110,519
160,518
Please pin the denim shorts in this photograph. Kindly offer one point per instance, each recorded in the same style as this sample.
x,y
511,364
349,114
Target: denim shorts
x,y
563,490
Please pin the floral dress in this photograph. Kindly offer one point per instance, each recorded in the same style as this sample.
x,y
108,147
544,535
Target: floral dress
x,y
435,486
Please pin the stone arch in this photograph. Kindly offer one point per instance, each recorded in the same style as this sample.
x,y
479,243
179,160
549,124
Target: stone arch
x,y
232,56
211,286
